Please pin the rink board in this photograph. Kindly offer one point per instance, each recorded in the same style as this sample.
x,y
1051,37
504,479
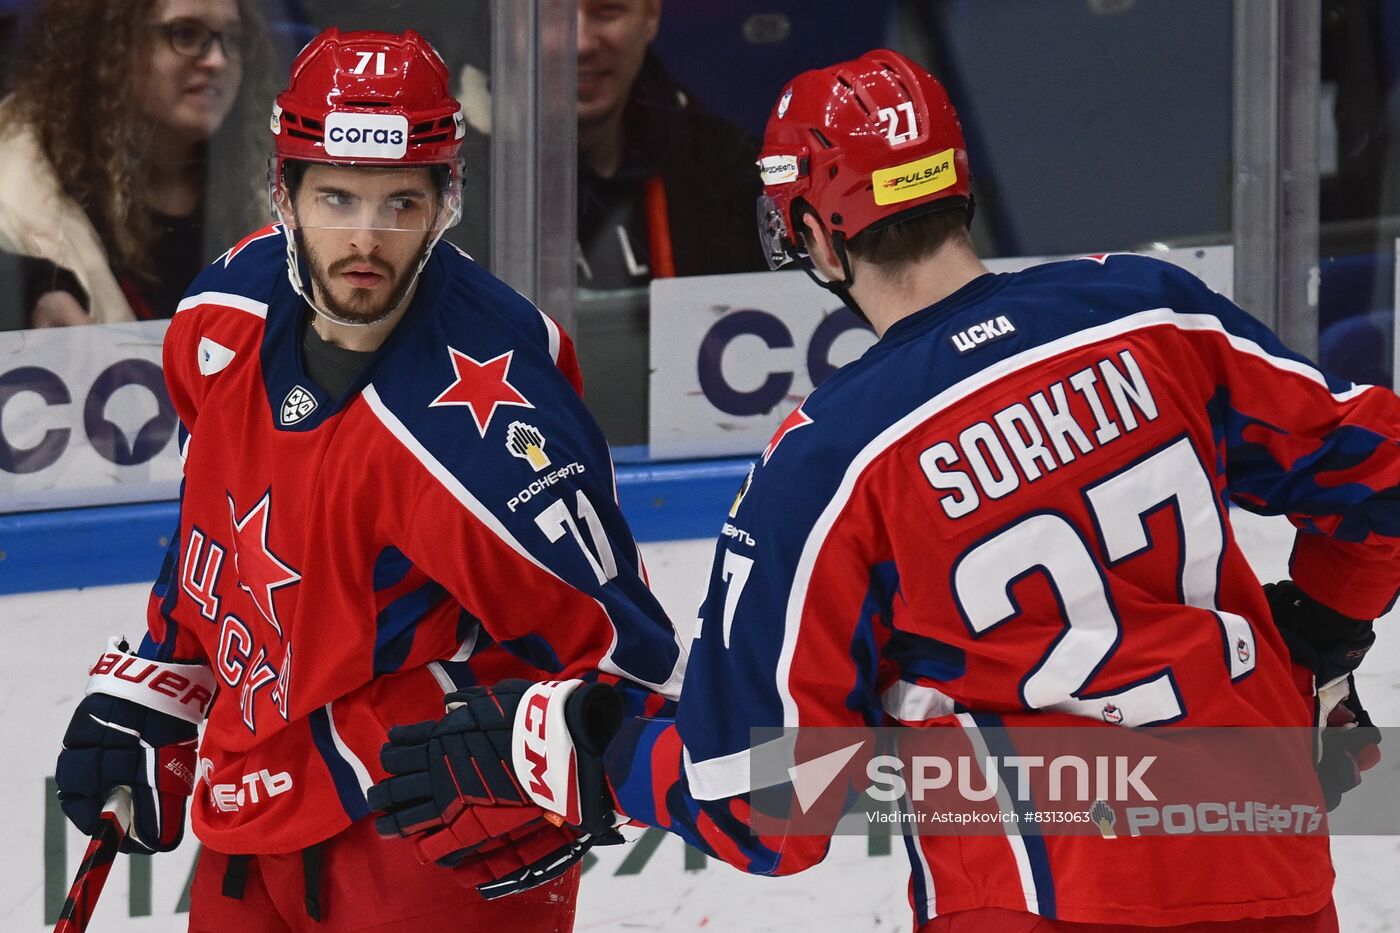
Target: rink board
x,y
655,883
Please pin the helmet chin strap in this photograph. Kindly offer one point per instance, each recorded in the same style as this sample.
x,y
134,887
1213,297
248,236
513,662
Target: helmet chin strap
x,y
841,289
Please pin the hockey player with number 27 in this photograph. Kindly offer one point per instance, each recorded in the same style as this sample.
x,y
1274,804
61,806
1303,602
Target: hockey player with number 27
x,y
392,489
1011,511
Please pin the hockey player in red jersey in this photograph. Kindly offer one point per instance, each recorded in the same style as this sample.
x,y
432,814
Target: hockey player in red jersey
x,y
1011,511
392,490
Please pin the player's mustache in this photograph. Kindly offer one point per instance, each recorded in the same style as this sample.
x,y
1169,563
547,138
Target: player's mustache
x,y
379,265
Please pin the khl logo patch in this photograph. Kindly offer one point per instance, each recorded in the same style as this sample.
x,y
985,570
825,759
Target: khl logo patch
x,y
297,405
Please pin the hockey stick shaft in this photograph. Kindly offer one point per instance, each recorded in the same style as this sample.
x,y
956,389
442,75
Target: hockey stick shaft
x,y
96,864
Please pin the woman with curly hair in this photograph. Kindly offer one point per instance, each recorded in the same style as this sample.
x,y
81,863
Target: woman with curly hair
x,y
115,132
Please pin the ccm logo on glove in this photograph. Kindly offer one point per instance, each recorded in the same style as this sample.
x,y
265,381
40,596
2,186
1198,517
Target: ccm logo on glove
x,y
536,747
542,748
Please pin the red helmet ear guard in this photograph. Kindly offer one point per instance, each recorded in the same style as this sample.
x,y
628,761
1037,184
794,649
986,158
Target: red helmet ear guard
x,y
863,143
368,98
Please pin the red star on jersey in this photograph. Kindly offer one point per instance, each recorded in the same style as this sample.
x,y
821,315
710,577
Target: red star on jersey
x,y
260,572
482,387
797,419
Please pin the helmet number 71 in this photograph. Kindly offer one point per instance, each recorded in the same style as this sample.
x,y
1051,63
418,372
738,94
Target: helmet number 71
x,y
365,59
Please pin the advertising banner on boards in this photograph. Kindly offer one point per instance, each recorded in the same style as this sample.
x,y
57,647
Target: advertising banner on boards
x,y
731,355
85,418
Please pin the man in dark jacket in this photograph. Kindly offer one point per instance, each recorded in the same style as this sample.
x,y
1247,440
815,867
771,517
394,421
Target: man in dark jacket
x,y
639,131
664,189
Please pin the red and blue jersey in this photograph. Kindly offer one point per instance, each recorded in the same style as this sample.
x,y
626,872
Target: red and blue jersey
x,y
341,562
1014,510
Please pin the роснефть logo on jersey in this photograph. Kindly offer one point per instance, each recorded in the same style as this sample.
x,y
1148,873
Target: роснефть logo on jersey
x,y
526,442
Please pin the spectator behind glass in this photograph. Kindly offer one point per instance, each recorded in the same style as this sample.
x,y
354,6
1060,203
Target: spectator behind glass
x,y
107,140
665,188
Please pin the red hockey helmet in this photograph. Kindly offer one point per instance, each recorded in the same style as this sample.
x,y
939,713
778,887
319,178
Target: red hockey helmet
x,y
863,143
368,98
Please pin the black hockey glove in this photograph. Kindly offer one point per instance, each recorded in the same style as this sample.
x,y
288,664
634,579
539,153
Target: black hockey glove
x,y
1320,639
1350,747
1331,646
136,728
453,786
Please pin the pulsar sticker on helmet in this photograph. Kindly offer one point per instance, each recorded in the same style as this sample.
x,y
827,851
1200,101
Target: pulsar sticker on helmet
x,y
914,179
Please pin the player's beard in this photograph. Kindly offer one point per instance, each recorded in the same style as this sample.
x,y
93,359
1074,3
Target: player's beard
x,y
360,309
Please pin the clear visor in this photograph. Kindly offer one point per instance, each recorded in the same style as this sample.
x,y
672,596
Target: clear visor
x,y
340,210
778,247
390,202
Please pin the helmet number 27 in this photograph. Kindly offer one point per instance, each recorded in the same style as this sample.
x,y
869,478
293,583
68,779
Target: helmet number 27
x,y
890,117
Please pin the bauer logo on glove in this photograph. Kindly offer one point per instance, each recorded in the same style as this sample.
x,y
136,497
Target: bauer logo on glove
x,y
136,727
153,683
